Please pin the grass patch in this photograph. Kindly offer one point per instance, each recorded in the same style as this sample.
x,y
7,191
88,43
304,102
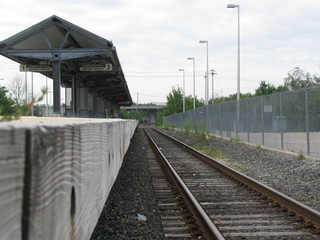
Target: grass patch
x,y
301,156
187,127
237,140
211,151
169,127
202,135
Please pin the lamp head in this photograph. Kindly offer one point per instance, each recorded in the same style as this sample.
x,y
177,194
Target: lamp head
x,y
190,58
181,69
231,5
203,41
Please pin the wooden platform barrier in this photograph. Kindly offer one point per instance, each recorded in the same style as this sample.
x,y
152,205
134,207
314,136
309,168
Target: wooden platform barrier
x,y
55,175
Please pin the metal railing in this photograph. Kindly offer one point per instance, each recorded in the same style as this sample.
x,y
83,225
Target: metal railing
x,y
288,120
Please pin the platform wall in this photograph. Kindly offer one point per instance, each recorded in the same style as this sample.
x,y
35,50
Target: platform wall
x,y
55,176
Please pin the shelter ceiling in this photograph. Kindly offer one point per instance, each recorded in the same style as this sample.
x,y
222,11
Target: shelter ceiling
x,y
55,39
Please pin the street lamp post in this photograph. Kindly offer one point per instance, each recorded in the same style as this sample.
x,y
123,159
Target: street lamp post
x,y
183,99
238,67
213,72
32,93
194,82
207,74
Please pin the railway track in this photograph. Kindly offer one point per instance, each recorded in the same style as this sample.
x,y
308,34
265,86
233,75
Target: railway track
x,y
231,205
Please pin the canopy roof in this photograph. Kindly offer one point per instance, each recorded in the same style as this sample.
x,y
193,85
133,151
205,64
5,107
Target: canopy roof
x,y
92,59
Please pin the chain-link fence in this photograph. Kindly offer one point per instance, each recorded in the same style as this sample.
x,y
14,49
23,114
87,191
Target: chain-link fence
x,y
289,121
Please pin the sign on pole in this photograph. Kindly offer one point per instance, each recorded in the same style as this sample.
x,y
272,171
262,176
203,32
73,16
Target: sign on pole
x,y
96,67
36,68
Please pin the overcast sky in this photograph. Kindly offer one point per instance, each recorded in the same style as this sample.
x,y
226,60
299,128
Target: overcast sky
x,y
154,38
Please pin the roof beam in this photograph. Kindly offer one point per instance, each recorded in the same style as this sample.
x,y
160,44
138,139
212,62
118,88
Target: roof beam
x,y
24,35
108,87
55,54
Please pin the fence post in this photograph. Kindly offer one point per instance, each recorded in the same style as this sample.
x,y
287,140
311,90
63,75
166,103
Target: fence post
x,y
207,120
227,119
307,121
248,125
262,119
281,120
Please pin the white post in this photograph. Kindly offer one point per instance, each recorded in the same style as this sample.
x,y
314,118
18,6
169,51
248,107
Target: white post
x,y
183,94
194,82
47,114
32,93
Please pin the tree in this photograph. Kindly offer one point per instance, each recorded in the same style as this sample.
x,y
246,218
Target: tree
x,y
231,97
268,88
265,88
17,90
175,102
298,78
7,105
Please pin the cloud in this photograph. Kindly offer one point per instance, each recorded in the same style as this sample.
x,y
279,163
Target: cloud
x,y
154,38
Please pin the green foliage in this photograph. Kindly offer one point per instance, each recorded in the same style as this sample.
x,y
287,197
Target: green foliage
x,y
211,151
159,118
187,127
231,97
200,130
175,102
203,135
20,110
298,78
301,156
166,127
268,88
237,140
169,127
7,104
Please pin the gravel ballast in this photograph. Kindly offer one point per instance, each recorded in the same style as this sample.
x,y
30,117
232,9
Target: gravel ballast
x,y
131,209
297,178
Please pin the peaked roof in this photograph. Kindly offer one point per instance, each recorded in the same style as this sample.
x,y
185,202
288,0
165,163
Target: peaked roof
x,y
55,39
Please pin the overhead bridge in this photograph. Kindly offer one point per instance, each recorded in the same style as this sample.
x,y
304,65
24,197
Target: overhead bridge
x,y
86,64
151,110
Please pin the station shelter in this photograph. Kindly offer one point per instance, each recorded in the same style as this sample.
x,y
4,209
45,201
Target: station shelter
x,y
85,64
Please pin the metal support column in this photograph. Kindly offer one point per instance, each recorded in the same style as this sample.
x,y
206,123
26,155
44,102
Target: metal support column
x,y
74,96
56,71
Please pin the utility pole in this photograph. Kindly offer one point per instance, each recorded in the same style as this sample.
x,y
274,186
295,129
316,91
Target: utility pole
x,y
213,72
137,101
206,87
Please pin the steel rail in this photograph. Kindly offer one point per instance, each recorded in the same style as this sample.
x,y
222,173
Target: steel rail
x,y
210,231
301,210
